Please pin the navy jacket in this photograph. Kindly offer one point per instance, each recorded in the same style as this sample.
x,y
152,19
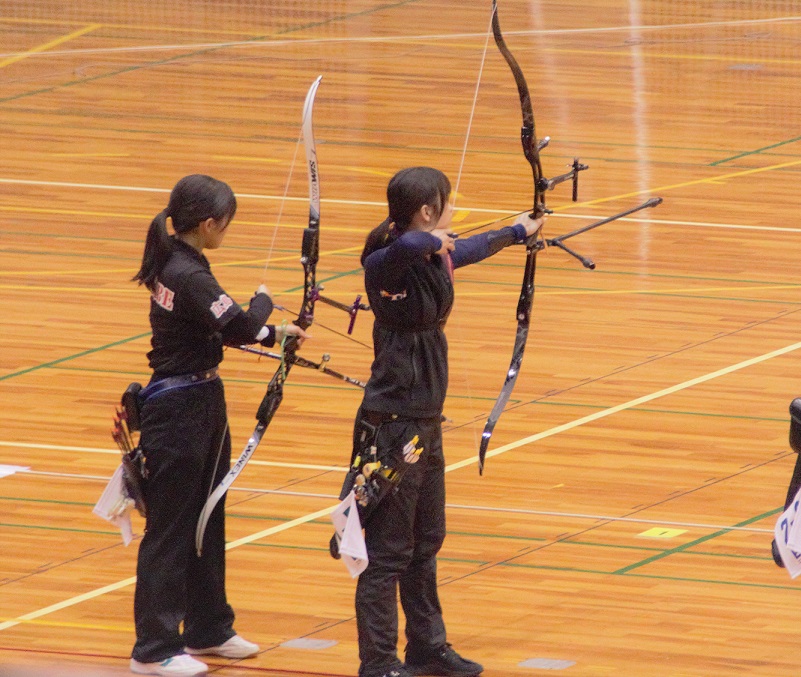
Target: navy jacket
x,y
410,289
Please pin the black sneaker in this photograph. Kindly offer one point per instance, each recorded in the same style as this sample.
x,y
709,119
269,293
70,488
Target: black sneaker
x,y
774,550
397,672
443,662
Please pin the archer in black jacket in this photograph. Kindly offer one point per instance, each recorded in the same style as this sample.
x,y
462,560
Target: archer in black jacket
x,y
184,433
409,261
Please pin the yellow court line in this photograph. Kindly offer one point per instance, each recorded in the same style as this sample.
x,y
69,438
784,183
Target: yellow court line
x,y
82,626
80,290
291,257
450,468
73,212
68,603
91,154
471,294
629,405
48,45
250,158
107,271
601,292
148,217
272,161
140,27
653,191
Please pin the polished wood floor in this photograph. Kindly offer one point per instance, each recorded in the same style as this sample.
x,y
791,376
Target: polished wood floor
x,y
622,526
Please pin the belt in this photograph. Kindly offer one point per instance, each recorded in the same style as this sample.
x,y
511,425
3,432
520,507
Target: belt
x,y
377,417
173,382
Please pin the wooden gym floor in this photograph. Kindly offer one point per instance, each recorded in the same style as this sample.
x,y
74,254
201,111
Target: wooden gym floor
x,y
623,524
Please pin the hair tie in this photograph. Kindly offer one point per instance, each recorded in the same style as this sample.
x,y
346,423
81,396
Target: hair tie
x,y
390,228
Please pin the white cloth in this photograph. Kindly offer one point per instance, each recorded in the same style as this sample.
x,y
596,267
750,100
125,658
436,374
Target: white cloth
x,y
351,539
788,537
115,506
6,470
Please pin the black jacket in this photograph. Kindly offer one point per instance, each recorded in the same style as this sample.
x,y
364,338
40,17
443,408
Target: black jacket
x,y
410,289
192,317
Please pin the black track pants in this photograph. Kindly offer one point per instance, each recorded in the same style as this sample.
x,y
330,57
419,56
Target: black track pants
x,y
182,431
403,537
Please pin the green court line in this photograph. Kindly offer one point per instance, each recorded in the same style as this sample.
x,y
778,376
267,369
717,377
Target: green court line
x,y
690,544
83,353
110,257
503,537
326,551
68,358
704,553
486,264
262,381
569,142
139,241
683,579
661,552
179,57
79,531
47,501
754,152
738,584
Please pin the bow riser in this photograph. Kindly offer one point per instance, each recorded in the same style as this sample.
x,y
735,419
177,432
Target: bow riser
x,y
310,252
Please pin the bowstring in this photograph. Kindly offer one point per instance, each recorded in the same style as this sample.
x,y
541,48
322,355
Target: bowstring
x,y
281,204
460,330
282,366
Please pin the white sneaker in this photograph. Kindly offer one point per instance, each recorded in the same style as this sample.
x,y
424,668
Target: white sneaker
x,y
236,647
181,665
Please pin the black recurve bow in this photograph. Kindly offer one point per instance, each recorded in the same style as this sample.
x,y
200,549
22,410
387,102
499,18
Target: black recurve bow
x,y
531,150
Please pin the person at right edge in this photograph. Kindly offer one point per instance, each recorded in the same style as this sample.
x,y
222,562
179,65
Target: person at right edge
x,y
408,262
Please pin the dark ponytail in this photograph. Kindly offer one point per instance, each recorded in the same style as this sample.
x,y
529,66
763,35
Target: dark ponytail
x,y
194,199
407,192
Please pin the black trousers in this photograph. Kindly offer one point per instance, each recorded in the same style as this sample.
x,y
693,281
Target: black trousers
x,y
182,432
403,536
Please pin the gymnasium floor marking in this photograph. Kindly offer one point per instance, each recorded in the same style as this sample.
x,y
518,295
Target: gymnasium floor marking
x,y
450,468
19,56
404,38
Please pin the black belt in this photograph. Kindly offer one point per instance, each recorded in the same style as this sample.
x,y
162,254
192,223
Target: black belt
x,y
377,417
172,382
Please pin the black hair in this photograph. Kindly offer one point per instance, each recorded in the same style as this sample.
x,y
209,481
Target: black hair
x,y
407,192
194,199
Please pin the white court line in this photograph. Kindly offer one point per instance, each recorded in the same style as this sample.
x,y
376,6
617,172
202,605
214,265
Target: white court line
x,y
369,203
450,468
607,518
482,508
96,450
250,44
630,404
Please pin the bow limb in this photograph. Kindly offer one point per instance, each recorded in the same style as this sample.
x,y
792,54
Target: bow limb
x,y
310,249
528,138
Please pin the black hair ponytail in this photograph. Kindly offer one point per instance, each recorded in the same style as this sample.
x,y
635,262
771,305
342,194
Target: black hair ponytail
x,y
158,247
194,199
407,192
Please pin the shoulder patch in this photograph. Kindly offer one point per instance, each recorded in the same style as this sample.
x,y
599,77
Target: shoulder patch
x,y
164,297
222,304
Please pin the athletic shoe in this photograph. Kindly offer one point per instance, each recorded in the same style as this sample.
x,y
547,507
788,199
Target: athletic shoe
x,y
176,666
236,647
774,550
442,662
397,672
